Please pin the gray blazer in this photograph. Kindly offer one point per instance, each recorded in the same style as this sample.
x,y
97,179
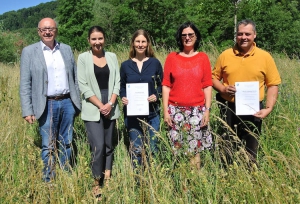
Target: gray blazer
x,y
34,79
89,86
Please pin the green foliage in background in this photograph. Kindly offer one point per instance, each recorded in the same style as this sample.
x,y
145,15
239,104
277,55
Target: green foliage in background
x,y
278,21
11,45
104,16
28,17
74,19
160,18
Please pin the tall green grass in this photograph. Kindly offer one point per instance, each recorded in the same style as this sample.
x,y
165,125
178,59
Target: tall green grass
x,y
166,179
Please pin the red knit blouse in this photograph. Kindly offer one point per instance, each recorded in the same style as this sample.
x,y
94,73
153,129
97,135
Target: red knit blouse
x,y
187,76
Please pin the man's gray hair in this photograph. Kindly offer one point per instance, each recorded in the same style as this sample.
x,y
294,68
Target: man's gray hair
x,y
246,22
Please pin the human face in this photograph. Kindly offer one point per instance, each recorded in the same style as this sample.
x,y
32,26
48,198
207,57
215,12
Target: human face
x,y
140,44
245,37
47,31
188,37
96,41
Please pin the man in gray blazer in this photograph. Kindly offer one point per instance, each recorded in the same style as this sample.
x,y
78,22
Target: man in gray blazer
x,y
49,94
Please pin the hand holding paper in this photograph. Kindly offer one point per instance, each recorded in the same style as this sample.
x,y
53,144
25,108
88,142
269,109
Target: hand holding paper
x,y
247,98
137,95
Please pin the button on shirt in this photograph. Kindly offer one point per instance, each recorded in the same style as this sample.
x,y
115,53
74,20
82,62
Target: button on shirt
x,y
57,75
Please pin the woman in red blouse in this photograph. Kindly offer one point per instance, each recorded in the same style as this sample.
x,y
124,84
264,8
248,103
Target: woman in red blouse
x,y
187,91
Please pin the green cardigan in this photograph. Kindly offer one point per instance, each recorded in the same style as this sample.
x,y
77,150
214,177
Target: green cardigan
x,y
88,84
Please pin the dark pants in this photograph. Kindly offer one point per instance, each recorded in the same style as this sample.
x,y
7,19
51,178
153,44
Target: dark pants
x,y
100,137
247,128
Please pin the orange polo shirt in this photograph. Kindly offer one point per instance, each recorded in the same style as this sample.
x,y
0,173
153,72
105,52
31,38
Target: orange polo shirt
x,y
258,65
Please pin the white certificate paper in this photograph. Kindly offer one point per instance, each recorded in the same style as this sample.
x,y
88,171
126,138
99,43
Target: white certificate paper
x,y
247,98
137,94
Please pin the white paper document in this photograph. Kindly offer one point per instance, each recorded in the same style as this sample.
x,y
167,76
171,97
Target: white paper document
x,y
137,94
247,98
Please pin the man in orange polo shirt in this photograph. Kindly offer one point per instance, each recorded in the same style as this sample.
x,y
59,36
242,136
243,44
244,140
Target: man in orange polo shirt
x,y
241,63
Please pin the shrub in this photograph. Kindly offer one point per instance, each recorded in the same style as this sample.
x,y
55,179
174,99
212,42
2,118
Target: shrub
x,y
11,45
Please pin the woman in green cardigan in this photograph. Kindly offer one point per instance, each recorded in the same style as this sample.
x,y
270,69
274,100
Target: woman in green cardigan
x,y
99,84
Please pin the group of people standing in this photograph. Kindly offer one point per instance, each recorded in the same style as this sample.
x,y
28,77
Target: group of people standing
x,y
53,90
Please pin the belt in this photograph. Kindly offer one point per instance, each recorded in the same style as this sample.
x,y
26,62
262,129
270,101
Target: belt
x,y
59,97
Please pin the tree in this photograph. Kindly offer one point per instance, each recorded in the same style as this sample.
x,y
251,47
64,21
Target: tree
x,y
11,45
277,27
162,19
74,19
236,4
277,21
159,17
214,20
28,17
104,16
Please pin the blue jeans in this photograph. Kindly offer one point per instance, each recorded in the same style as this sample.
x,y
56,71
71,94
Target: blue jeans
x,y
139,137
56,128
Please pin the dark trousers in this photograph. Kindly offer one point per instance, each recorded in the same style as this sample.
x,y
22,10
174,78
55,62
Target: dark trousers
x,y
247,128
100,137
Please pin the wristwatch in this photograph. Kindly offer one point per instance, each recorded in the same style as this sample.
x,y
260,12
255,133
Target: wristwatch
x,y
111,104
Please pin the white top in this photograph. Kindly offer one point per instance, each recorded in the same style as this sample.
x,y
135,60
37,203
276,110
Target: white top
x,y
57,77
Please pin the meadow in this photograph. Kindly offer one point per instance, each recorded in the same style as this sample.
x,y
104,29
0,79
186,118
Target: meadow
x,y
166,179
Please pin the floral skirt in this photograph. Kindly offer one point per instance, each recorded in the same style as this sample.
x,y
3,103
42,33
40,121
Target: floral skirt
x,y
186,134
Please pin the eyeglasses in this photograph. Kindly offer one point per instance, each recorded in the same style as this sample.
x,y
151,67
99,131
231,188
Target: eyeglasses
x,y
49,29
191,35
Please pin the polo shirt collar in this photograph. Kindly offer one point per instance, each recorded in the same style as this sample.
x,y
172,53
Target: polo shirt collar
x,y
237,52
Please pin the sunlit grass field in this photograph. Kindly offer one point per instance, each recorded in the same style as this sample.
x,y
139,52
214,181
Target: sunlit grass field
x,y
167,179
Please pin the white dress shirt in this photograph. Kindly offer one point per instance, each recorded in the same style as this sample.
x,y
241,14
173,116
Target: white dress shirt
x,y
57,77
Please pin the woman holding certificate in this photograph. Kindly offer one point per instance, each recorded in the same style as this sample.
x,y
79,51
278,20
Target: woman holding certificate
x,y
187,91
142,72
99,83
